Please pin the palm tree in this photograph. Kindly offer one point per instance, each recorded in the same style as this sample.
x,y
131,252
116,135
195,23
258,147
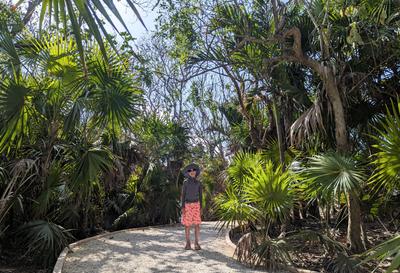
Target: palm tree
x,y
386,178
330,176
387,157
257,192
75,14
53,115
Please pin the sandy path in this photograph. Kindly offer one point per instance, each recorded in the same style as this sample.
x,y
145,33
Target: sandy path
x,y
154,250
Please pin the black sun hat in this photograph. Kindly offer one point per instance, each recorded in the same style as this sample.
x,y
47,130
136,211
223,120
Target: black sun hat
x,y
190,167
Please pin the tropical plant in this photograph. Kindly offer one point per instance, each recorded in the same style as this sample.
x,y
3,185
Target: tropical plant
x,y
75,14
44,240
387,157
269,191
332,175
389,249
258,192
52,117
386,178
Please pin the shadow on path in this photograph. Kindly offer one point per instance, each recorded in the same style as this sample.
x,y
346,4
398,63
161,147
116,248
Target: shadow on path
x,y
154,250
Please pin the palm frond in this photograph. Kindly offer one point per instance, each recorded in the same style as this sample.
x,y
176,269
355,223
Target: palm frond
x,y
90,163
242,166
270,190
388,250
331,175
73,11
44,239
232,209
15,110
51,187
309,123
387,158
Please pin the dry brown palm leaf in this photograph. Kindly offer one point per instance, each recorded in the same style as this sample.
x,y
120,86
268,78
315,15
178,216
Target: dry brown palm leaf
x,y
245,249
22,173
309,123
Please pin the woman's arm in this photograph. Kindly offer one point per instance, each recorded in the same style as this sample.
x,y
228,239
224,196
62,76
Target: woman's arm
x,y
183,194
201,195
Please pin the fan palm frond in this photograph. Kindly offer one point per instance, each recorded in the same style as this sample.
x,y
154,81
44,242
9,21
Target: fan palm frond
x,y
52,183
44,239
389,249
74,12
232,209
243,165
387,158
16,110
270,190
90,162
331,175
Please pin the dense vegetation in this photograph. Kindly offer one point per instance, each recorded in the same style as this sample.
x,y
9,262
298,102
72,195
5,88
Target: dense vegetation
x,y
291,108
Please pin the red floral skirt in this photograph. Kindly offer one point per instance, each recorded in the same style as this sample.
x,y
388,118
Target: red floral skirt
x,y
191,214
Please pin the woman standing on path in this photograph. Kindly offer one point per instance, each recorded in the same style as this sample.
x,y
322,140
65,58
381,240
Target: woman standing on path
x,y
191,199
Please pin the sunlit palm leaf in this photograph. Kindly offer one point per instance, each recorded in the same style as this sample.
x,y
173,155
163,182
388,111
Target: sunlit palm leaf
x,y
243,165
15,110
73,10
270,190
387,159
110,93
232,209
330,175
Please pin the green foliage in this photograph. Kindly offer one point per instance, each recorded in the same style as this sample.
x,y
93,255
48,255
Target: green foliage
x,y
389,249
387,158
156,185
45,240
256,190
16,111
73,13
89,163
51,190
330,175
10,17
269,189
232,209
162,139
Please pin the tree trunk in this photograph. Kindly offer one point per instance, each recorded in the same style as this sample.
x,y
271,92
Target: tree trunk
x,y
353,203
354,224
338,110
279,134
327,75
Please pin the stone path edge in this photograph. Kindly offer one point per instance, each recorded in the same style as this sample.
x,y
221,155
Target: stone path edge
x,y
63,255
291,269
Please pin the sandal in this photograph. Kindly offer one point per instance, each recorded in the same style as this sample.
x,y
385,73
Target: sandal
x,y
188,247
197,247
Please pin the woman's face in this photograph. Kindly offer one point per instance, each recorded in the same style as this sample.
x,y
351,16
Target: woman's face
x,y
192,173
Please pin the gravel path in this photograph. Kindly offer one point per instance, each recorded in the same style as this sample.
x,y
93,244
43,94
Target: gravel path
x,y
151,250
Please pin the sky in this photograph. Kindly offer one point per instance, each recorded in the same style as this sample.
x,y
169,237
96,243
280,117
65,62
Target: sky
x,y
135,27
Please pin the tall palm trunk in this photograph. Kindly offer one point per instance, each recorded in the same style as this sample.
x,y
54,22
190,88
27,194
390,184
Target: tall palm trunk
x,y
353,203
327,75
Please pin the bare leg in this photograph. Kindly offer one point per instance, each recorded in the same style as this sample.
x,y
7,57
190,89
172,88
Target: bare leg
x,y
197,235
187,235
